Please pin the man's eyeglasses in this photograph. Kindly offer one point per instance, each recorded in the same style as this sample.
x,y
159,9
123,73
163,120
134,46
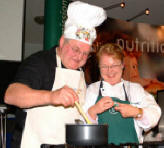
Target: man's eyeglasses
x,y
77,51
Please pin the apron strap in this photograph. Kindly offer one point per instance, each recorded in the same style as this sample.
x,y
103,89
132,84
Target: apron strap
x,y
101,87
126,96
58,59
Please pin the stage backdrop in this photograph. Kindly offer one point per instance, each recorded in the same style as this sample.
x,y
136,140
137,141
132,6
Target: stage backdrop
x,y
143,46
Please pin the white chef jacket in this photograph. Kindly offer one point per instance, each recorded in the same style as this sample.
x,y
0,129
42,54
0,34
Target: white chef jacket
x,y
136,95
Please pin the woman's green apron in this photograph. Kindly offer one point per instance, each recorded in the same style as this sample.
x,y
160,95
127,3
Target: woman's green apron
x,y
120,130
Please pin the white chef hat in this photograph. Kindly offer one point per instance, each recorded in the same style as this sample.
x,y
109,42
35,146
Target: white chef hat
x,y
82,20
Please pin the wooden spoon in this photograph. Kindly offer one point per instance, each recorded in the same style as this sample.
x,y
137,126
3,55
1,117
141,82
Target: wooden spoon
x,y
82,112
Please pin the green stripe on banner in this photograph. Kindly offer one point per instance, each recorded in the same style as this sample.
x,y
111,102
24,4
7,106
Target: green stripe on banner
x,y
54,17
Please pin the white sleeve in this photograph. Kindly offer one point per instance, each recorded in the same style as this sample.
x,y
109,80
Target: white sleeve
x,y
91,97
151,110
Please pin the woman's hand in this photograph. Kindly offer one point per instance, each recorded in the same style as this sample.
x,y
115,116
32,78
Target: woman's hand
x,y
102,105
127,110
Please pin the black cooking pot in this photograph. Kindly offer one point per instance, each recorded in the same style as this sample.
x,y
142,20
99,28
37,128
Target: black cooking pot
x,y
86,134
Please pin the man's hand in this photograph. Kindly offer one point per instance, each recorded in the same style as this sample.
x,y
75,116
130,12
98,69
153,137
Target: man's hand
x,y
65,96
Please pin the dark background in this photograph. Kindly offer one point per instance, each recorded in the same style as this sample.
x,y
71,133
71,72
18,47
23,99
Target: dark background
x,y
7,74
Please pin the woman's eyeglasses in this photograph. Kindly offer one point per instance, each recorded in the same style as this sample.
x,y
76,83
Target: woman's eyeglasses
x,y
107,67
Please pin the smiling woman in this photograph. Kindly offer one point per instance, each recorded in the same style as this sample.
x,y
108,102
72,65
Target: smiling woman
x,y
123,105
110,58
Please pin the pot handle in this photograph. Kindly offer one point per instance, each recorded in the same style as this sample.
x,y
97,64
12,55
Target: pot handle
x,y
78,121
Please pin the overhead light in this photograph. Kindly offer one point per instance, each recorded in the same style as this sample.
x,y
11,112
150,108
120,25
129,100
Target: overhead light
x,y
122,5
144,12
147,11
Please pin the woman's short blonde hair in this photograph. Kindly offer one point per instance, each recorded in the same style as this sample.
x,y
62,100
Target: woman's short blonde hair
x,y
111,49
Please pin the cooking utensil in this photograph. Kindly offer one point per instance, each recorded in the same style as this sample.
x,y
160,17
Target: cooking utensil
x,y
82,112
86,134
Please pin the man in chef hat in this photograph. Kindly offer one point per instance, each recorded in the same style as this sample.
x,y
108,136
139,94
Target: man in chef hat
x,y
49,82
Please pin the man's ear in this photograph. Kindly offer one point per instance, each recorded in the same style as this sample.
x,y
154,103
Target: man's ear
x,y
61,42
